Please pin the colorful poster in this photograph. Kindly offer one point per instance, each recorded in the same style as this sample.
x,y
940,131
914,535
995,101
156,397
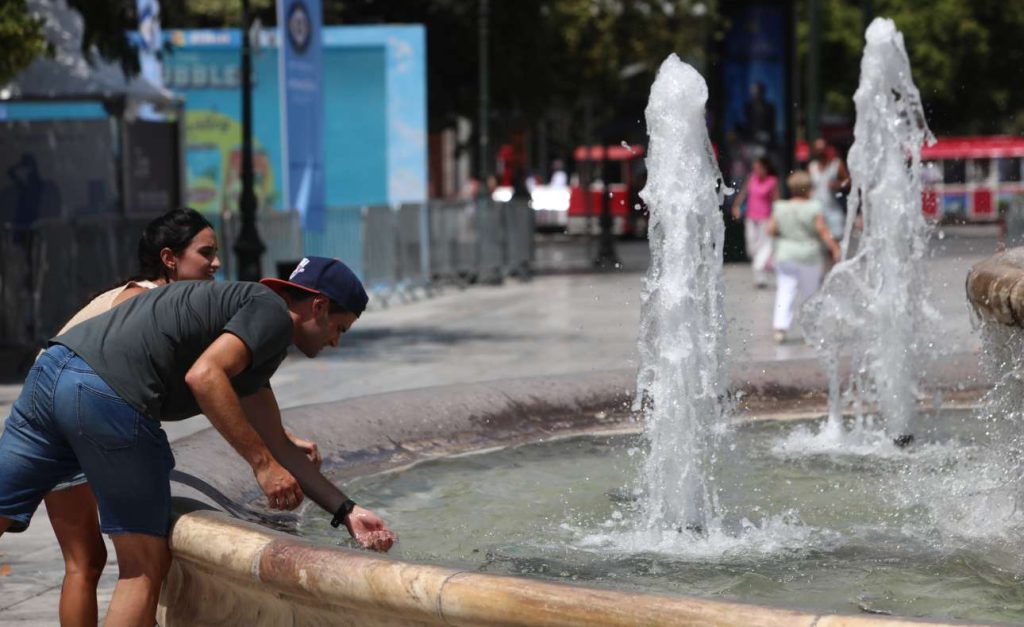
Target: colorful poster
x,y
373,142
214,161
302,105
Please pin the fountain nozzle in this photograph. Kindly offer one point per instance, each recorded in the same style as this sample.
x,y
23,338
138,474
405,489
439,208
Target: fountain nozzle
x,y
693,527
903,441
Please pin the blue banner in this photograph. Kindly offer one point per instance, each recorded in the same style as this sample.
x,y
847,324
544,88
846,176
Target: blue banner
x,y
302,108
755,91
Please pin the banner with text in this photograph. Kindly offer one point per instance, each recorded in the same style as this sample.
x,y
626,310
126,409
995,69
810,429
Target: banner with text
x,y
302,108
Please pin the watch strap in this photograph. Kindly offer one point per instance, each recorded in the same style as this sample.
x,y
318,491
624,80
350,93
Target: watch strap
x,y
344,510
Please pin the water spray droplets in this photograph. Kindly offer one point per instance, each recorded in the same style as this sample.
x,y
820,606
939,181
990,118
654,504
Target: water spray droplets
x,y
682,374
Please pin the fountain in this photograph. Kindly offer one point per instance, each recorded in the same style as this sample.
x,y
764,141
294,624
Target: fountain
x,y
683,376
874,304
828,534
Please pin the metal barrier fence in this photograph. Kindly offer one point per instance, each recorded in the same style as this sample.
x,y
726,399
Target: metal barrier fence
x,y
51,270
280,231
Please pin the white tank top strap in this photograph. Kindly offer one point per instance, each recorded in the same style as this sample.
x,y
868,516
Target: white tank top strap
x,y
144,283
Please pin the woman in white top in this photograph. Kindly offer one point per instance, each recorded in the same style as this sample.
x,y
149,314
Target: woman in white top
x,y
179,245
829,177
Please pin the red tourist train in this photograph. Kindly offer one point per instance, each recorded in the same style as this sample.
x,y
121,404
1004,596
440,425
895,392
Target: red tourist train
x,y
617,171
967,179
964,179
972,179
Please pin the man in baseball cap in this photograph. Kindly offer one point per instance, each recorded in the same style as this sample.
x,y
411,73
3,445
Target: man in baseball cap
x,y
95,399
330,277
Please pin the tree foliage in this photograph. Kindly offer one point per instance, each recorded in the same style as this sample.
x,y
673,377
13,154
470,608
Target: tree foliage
x,y
571,57
214,13
21,39
105,27
966,58
105,24
575,60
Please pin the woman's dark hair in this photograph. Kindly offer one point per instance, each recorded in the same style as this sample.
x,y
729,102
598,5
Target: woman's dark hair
x,y
175,230
766,163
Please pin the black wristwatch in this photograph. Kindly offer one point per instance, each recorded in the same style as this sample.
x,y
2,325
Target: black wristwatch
x,y
343,511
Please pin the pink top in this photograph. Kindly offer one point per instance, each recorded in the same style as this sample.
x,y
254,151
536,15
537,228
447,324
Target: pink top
x,y
759,197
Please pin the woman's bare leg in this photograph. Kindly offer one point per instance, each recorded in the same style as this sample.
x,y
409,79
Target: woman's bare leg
x,y
77,527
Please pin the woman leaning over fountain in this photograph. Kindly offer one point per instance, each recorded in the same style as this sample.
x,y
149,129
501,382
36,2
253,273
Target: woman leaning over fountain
x,y
799,229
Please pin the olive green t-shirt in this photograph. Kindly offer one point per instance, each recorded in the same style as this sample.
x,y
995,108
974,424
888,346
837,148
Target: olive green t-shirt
x,y
143,347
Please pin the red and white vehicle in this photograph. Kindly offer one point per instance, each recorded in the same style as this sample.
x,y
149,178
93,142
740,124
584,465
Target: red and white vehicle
x,y
972,179
613,170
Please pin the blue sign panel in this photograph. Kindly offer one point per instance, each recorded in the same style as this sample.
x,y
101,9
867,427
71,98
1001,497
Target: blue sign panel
x,y
754,80
302,108
374,116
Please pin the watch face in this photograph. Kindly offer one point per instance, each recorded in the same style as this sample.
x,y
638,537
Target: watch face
x,y
299,28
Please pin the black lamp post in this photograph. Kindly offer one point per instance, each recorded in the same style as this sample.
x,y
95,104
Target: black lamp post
x,y
483,69
607,258
814,72
248,246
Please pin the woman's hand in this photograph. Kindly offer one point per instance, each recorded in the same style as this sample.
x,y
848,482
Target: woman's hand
x,y
308,447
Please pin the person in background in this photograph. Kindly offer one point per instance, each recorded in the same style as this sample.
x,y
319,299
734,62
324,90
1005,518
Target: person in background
x,y
801,235
558,175
179,245
760,190
759,113
829,179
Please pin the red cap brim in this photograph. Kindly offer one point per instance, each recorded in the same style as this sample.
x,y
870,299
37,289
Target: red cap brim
x,y
272,283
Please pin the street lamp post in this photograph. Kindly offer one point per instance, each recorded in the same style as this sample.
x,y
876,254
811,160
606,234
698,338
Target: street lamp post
x,y
248,246
607,258
488,213
814,72
483,11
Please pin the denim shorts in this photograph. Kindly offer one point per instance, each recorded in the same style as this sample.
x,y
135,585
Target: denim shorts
x,y
67,421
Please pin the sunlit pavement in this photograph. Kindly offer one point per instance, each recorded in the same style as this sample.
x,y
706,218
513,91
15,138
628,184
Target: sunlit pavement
x,y
553,324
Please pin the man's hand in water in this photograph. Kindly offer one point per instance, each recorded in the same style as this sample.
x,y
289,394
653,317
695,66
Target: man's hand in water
x,y
369,530
281,488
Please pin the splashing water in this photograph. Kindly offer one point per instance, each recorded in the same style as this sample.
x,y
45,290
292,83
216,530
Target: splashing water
x,y
875,303
683,377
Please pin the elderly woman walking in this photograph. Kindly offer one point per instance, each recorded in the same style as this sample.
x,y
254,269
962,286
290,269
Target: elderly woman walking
x,y
801,237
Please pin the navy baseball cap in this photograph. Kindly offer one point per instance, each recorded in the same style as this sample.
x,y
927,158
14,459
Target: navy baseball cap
x,y
330,277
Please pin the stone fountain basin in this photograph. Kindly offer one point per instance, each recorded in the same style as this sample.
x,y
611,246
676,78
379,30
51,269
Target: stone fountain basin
x,y
232,571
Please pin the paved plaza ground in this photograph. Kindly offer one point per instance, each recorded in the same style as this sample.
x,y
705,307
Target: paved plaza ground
x,y
564,320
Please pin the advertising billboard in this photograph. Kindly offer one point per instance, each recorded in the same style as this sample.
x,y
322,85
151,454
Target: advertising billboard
x,y
302,108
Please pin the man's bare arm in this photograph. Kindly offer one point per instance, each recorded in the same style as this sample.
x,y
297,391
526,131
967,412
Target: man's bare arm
x,y
263,413
209,379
